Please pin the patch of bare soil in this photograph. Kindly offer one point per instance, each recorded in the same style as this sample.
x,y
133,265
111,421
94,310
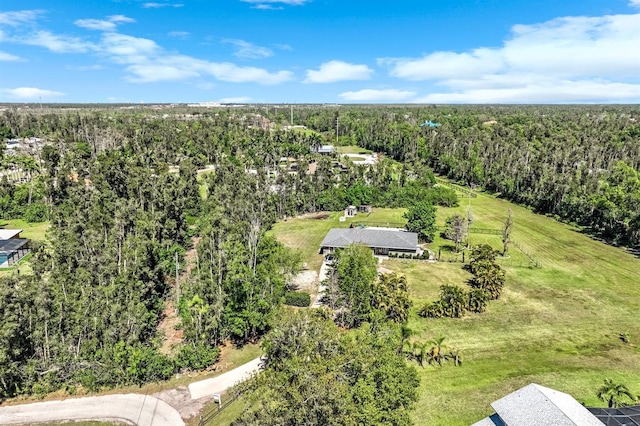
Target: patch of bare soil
x,y
305,281
317,215
169,324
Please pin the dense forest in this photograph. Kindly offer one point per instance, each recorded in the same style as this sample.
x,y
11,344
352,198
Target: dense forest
x,y
578,163
129,192
123,194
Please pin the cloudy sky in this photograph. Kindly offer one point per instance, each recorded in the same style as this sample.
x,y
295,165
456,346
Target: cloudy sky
x,y
317,51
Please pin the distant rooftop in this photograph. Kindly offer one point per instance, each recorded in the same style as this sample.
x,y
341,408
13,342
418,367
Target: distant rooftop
x,y
326,149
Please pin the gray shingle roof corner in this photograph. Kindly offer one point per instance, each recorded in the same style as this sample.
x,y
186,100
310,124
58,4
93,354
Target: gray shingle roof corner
x,y
343,237
493,420
535,405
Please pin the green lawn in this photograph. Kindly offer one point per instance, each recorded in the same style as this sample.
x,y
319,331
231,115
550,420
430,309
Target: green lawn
x,y
557,325
352,149
33,231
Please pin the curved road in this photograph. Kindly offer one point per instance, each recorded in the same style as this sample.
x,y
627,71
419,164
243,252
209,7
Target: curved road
x,y
135,409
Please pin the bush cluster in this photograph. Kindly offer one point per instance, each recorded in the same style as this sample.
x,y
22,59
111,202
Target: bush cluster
x,y
423,256
296,298
486,284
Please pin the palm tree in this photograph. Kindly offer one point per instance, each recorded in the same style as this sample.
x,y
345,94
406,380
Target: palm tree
x,y
614,394
437,352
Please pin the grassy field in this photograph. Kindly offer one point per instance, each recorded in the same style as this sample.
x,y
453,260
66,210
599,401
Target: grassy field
x,y
352,149
557,325
33,231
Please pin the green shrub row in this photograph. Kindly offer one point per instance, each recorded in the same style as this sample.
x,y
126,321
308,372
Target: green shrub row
x,y
423,256
296,298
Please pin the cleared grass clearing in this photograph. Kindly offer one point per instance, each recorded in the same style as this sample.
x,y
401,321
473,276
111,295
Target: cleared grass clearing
x,y
557,325
352,149
33,231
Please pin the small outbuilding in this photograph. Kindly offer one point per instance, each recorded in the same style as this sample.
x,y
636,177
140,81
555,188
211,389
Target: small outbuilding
x,y
365,209
350,211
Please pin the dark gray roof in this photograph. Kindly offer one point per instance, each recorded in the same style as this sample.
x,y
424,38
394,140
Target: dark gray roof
x,y
538,405
10,246
623,416
383,238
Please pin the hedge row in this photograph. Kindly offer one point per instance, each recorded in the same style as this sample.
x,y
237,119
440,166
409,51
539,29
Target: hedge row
x,y
295,298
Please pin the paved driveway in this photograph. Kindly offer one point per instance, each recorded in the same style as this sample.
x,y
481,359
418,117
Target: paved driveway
x,y
141,410
224,381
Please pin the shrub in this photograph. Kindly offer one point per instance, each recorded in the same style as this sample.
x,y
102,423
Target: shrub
x,y
295,298
432,310
196,357
477,301
35,213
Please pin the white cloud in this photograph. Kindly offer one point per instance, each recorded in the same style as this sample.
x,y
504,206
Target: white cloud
x,y
121,19
101,25
126,49
269,2
19,17
7,57
154,5
283,47
373,95
333,71
568,59
145,61
267,7
246,50
154,72
56,43
179,34
583,91
96,24
634,3
445,65
29,93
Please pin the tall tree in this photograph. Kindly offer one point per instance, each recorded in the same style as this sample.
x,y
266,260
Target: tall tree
x,y
421,218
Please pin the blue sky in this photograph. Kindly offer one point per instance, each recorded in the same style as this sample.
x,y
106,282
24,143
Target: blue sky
x,y
320,51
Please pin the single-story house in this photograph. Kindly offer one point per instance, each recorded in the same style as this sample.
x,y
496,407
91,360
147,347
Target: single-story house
x,y
381,241
326,149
